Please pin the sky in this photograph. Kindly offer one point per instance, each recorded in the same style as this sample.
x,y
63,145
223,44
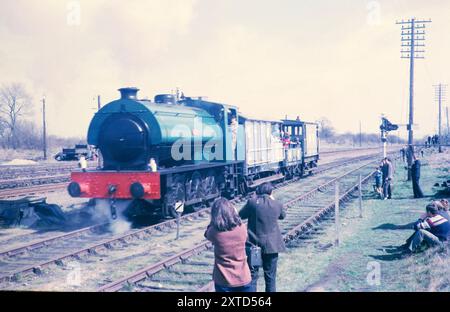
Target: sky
x,y
310,58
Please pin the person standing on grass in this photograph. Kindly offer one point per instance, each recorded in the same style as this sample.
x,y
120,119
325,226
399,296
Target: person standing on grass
x,y
388,175
263,213
433,230
228,235
378,181
415,177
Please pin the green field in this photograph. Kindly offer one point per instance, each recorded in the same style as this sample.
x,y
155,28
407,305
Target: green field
x,y
366,259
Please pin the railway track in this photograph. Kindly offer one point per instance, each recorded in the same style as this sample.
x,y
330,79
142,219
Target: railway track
x,y
24,176
346,150
89,241
32,190
92,241
33,181
45,242
190,268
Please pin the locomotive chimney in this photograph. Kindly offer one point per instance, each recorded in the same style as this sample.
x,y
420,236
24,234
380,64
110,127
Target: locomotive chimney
x,y
128,93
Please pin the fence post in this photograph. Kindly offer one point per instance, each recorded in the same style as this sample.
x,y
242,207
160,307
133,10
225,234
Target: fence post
x,y
179,208
360,196
336,212
178,225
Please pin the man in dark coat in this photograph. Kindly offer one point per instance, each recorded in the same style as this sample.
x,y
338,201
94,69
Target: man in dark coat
x,y
388,174
263,213
415,175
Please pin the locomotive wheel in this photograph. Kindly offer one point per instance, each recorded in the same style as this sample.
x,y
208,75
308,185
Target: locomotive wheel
x,y
195,208
137,208
209,184
298,171
243,187
194,187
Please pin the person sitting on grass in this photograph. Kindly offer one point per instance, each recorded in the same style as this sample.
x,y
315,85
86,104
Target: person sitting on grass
x,y
443,203
433,230
442,206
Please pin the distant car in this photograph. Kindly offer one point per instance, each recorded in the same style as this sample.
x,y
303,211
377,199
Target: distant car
x,y
74,153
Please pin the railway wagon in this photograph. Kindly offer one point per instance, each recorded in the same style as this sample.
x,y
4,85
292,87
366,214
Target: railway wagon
x,y
306,136
161,154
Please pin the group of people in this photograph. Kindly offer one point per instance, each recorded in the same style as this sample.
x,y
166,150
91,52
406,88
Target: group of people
x,y
432,228
432,140
231,237
384,177
233,272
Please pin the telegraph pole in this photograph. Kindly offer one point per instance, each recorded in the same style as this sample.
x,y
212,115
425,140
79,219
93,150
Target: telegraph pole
x,y
413,33
44,132
439,97
99,104
448,128
360,134
384,140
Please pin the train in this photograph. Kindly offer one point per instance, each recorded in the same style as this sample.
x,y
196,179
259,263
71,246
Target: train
x,y
177,153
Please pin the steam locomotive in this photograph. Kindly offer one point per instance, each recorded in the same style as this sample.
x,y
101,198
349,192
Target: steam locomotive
x,y
157,156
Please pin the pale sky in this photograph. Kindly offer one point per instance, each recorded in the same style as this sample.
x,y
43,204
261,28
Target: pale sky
x,y
338,59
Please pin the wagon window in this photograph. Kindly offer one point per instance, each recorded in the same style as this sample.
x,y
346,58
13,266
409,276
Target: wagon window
x,y
275,131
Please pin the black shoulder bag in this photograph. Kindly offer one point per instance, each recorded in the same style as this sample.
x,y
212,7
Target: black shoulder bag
x,y
254,253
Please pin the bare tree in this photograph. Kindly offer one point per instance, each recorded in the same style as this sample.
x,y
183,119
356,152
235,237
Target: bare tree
x,y
14,103
3,131
326,129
